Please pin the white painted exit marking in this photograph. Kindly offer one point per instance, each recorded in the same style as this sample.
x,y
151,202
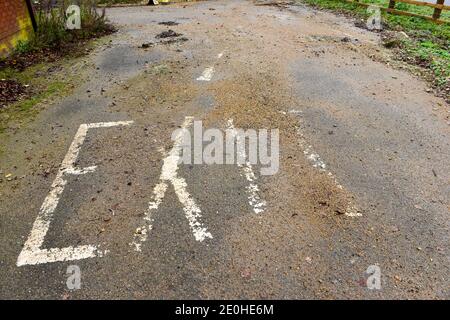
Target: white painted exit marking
x,y
209,71
318,163
252,188
32,253
207,74
169,175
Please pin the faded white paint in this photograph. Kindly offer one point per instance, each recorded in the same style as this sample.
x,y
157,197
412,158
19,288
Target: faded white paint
x,y
169,175
315,159
32,253
209,71
207,74
252,188
318,163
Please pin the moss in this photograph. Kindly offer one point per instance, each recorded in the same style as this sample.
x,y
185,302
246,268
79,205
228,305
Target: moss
x,y
22,110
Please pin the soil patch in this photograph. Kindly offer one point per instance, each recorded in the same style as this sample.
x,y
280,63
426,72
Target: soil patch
x,y
11,91
168,34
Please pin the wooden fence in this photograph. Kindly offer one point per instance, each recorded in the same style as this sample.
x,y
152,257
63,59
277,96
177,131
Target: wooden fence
x,y
436,17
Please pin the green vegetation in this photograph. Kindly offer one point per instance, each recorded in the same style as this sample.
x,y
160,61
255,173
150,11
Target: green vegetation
x,y
428,44
21,110
426,11
413,26
27,105
32,60
51,23
43,88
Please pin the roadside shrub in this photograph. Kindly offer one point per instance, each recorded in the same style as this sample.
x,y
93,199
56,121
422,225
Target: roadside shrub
x,y
51,23
22,47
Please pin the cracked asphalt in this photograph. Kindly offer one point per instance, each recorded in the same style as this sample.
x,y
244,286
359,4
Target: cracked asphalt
x,y
364,175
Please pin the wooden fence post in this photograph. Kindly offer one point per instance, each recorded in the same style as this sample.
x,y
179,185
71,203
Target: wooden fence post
x,y
437,12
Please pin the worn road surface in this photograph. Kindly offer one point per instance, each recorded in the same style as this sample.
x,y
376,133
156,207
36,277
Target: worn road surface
x,y
363,179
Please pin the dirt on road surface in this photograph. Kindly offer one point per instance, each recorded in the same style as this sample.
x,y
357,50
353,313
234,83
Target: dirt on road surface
x,y
363,179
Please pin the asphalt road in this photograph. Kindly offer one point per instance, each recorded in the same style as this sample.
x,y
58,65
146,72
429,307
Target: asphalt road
x,y
363,179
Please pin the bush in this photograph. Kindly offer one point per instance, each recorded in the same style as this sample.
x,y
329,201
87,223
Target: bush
x,y
51,23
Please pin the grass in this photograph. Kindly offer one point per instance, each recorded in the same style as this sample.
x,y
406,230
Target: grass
x,y
24,77
22,110
51,21
31,60
426,11
416,27
43,87
428,44
52,88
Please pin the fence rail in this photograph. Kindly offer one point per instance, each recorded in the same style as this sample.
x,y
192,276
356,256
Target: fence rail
x,y
436,17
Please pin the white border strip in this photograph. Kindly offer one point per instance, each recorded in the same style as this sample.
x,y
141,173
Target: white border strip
x,y
209,71
169,174
207,74
32,253
319,164
252,188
